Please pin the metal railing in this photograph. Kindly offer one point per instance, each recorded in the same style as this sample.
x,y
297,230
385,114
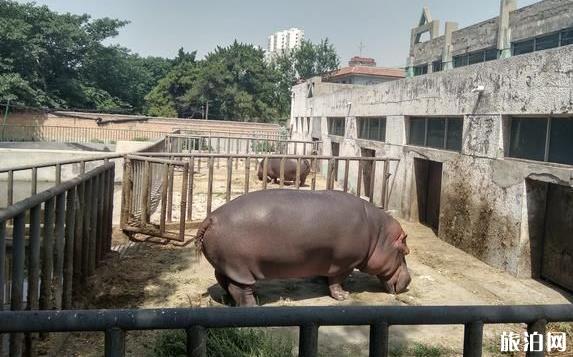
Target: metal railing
x,y
78,167
72,134
178,143
196,321
57,238
238,132
187,187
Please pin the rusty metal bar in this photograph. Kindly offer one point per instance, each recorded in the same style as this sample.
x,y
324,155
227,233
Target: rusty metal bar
x,y
170,183
59,249
69,249
346,169
282,172
164,198
247,174
184,186
229,179
210,186
190,189
265,172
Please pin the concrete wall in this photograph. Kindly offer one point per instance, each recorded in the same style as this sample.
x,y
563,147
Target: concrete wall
x,y
483,198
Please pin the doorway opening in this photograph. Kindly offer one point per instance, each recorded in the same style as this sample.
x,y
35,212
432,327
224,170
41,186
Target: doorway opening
x,y
429,187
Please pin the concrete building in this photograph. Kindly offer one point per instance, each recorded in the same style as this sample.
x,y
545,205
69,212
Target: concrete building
x,y
486,150
363,71
285,40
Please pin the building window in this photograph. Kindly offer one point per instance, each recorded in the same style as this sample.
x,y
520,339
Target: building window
x,y
437,66
421,70
336,126
372,128
552,40
475,57
542,139
438,133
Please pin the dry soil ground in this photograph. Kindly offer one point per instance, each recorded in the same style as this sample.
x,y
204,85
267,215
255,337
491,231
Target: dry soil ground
x,y
149,275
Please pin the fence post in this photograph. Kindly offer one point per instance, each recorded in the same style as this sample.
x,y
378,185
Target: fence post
x,y
308,340
378,340
297,176
69,249
184,187
126,194
33,272
114,342
16,296
60,241
265,172
190,189
164,192
10,193
346,169
196,341
539,327
282,172
473,339
47,256
210,185
247,173
229,179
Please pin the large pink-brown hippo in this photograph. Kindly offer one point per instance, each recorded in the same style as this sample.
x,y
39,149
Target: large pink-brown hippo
x,y
274,170
297,234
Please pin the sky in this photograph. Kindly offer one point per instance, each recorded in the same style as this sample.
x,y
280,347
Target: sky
x,y
160,28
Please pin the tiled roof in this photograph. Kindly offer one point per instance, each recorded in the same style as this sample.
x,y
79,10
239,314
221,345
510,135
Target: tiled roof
x,y
368,71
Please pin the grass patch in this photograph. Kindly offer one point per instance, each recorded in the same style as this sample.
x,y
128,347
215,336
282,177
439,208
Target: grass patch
x,y
235,342
420,350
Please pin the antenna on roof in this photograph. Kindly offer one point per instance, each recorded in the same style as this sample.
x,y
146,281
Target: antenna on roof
x,y
361,47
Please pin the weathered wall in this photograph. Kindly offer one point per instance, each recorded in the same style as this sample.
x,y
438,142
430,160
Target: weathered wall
x,y
483,197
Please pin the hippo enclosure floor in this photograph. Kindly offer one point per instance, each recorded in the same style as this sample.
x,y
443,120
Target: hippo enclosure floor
x,y
151,275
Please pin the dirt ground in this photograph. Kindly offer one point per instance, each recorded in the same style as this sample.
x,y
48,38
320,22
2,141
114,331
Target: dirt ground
x,y
145,275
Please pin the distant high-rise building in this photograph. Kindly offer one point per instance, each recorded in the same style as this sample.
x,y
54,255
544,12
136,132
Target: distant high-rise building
x,y
286,40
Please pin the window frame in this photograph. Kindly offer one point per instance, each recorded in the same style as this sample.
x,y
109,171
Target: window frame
x,y
560,41
426,119
382,121
437,66
420,70
548,126
464,58
331,126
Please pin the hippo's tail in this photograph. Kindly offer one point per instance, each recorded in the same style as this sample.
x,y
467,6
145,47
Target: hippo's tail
x,y
200,237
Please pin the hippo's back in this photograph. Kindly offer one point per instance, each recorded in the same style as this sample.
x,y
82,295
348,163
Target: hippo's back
x,y
288,233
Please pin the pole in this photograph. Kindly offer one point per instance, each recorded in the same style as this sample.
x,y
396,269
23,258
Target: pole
x,y
207,110
5,117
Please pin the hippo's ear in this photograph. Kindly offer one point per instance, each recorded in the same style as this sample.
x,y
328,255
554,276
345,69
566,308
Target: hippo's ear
x,y
400,243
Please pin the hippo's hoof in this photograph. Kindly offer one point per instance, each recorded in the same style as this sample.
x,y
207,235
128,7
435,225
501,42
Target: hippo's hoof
x,y
341,295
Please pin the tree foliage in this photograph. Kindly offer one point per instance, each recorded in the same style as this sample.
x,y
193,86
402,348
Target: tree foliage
x,y
59,60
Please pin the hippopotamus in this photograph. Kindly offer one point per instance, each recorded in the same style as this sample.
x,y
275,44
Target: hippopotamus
x,y
280,234
274,170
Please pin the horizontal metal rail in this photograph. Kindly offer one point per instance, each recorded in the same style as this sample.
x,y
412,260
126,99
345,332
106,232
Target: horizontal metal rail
x,y
60,162
257,156
196,320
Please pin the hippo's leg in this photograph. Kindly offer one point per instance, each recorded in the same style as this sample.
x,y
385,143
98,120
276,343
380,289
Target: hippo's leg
x,y
336,290
242,294
223,281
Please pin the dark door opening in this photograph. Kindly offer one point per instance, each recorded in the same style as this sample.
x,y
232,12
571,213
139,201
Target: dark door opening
x,y
367,170
335,152
429,187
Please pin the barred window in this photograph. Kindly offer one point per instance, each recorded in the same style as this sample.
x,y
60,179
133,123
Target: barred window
x,y
436,132
372,128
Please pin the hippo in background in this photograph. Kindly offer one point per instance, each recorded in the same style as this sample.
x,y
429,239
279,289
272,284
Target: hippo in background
x,y
280,234
274,170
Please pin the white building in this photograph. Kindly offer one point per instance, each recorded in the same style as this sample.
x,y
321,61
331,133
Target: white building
x,y
285,40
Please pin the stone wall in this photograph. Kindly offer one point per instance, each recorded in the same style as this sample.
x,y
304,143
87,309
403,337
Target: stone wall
x,y
484,208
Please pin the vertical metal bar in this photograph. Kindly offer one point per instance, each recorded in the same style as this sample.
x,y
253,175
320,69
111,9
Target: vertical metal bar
x,y
282,172
164,198
170,193
109,209
16,295
100,188
2,274
359,180
69,249
308,340
247,173
346,169
329,173
265,172
33,272
473,339
114,342
145,195
190,189
87,207
10,193
196,341
386,176
47,256
58,174
210,185
229,179
297,176
314,169
93,225
184,186
34,189
78,237
372,178
126,192
378,340
538,327
82,167
60,241
547,139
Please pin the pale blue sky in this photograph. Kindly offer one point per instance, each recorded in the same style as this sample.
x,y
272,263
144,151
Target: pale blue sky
x,y
160,27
